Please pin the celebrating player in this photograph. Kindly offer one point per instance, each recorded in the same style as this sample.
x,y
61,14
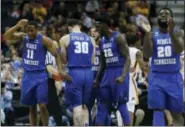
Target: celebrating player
x,y
34,88
165,81
114,67
78,51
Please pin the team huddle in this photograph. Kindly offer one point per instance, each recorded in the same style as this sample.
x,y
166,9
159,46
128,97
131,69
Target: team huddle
x,y
101,69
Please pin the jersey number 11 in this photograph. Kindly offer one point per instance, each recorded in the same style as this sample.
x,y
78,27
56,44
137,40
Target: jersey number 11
x,y
30,54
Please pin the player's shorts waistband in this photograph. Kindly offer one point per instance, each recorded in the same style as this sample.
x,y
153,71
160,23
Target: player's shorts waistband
x,y
171,72
35,71
110,67
79,67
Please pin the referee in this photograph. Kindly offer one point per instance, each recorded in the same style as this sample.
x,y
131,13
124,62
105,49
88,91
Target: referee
x,y
53,99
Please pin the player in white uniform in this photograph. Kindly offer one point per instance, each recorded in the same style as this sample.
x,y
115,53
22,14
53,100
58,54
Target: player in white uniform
x,y
137,64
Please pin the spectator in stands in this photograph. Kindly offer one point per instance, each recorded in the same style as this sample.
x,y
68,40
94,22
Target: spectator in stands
x,y
142,8
87,21
16,12
27,12
59,9
6,97
2,104
39,13
92,6
77,14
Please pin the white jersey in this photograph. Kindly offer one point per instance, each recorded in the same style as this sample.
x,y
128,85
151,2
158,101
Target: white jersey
x,y
133,51
133,94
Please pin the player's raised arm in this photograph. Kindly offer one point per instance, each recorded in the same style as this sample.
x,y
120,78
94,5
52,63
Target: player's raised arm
x,y
124,51
64,41
148,44
12,34
51,47
176,37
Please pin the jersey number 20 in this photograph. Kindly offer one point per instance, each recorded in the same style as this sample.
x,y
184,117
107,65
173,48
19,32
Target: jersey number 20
x,y
81,47
164,51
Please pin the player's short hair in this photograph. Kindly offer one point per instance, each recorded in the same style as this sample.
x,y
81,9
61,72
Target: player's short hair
x,y
34,23
73,22
166,8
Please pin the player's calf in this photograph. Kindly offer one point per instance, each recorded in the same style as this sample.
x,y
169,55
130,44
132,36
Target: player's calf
x,y
44,114
178,119
169,117
80,116
139,114
33,115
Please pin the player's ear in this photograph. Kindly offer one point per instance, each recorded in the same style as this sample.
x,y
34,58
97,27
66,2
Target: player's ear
x,y
69,28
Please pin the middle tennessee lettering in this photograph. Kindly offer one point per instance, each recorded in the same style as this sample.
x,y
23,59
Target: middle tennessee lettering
x,y
164,61
164,41
31,46
31,62
112,59
108,45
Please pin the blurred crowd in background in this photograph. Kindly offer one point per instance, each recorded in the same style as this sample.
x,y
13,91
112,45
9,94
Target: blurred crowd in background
x,y
52,16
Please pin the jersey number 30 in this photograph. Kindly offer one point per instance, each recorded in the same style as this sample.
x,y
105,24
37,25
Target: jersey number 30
x,y
81,47
164,51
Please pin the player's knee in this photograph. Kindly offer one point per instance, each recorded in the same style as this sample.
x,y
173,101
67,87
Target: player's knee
x,y
140,113
33,108
42,107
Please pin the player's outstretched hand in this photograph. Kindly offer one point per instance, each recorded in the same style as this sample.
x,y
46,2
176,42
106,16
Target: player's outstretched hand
x,y
95,83
145,25
22,22
119,80
65,76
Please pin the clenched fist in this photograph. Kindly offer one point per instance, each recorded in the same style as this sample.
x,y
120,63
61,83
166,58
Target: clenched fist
x,y
22,22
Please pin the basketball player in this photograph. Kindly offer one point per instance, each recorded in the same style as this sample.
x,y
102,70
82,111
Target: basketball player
x,y
34,88
78,51
137,63
165,90
114,67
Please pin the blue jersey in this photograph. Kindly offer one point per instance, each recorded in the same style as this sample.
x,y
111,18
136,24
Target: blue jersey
x,y
164,58
79,50
34,54
96,60
111,51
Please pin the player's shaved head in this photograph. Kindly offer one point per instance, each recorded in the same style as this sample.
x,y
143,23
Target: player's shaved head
x,y
166,8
